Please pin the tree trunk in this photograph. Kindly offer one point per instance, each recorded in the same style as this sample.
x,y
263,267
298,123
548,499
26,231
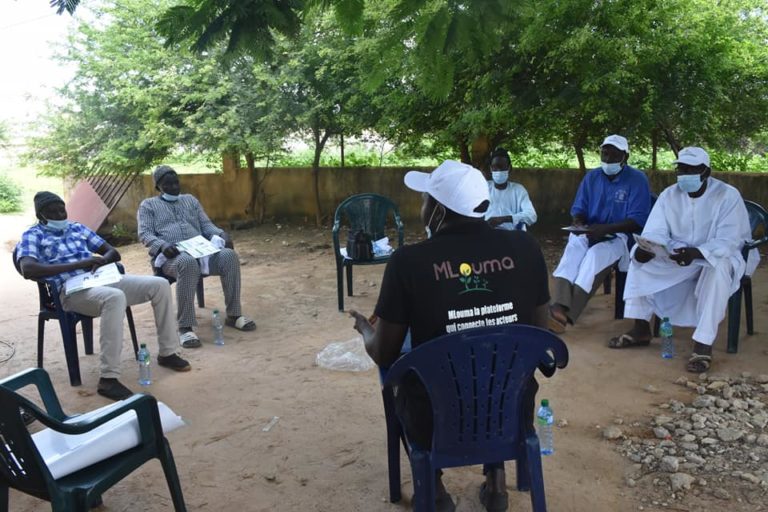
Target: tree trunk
x,y
320,141
670,138
481,149
341,142
580,156
464,152
655,150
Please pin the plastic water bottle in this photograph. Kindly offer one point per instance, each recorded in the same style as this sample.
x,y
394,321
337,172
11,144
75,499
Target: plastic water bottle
x,y
544,421
218,328
144,358
667,342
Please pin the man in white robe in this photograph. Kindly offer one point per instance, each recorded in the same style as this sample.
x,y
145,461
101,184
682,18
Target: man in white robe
x,y
612,202
510,207
702,225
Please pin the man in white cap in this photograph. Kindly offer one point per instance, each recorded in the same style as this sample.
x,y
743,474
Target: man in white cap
x,y
463,265
612,202
702,224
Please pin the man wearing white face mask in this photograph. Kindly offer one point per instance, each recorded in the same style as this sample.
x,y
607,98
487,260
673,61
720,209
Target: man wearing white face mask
x,y
172,217
510,207
612,202
703,224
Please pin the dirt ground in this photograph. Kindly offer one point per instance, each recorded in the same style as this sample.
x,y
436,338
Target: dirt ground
x,y
327,451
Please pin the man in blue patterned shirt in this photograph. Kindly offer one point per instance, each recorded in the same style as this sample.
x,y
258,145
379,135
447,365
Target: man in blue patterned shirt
x,y
56,250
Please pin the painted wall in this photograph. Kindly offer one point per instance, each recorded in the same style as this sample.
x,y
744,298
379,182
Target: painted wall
x,y
230,198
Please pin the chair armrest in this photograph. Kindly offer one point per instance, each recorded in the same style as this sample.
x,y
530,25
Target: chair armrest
x,y
39,378
145,407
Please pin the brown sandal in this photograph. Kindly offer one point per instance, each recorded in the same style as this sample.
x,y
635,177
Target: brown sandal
x,y
699,363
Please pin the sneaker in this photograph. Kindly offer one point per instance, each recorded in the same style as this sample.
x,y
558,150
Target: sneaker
x,y
174,362
113,389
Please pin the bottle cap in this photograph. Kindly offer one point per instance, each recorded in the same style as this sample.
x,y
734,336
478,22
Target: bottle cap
x,y
143,345
545,403
215,311
665,319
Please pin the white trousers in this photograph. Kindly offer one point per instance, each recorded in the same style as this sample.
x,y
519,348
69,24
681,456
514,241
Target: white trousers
x,y
580,263
699,301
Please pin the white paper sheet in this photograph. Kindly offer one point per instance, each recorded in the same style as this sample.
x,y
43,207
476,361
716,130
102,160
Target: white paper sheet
x,y
198,247
655,248
64,454
104,275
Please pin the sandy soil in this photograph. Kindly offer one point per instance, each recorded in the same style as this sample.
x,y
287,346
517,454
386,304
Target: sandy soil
x,y
327,452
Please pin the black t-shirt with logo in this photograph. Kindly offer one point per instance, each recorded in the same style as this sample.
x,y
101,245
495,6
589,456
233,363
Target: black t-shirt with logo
x,y
466,276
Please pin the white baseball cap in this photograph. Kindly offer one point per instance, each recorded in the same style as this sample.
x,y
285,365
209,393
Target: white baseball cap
x,y
457,186
617,141
692,156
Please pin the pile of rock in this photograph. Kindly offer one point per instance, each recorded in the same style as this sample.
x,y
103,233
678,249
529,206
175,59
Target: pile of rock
x,y
717,442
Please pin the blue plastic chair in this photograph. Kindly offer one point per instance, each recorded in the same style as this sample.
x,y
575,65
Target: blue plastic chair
x,y
51,309
369,213
23,468
758,222
476,381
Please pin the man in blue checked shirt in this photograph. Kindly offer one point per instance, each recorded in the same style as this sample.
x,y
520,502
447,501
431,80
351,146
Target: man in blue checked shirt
x,y
56,250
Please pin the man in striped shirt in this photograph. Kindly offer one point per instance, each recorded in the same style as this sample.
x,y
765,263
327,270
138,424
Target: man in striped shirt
x,y
56,250
170,218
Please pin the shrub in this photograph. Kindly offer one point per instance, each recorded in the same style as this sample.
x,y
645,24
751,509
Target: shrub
x,y
10,195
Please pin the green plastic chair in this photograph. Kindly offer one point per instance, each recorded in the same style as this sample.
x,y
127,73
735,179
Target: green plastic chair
x,y
22,467
369,213
758,222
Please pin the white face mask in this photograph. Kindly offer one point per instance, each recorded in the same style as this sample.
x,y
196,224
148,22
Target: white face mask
x,y
169,197
57,225
611,169
500,177
689,183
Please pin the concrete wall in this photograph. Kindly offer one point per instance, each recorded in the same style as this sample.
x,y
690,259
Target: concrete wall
x,y
230,198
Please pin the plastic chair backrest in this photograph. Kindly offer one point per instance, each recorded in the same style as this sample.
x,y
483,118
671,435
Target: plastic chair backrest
x,y
367,212
20,463
758,221
476,381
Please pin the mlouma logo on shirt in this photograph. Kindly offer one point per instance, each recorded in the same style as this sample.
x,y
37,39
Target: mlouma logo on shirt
x,y
469,274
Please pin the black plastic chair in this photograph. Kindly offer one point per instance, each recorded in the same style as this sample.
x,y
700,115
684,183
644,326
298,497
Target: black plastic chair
x,y
476,381
369,213
51,309
23,468
758,222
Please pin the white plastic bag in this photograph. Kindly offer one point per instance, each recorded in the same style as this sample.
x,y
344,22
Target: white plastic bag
x,y
345,356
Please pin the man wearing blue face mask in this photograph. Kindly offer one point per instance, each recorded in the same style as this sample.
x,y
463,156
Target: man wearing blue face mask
x,y
172,217
612,202
703,223
56,249
510,208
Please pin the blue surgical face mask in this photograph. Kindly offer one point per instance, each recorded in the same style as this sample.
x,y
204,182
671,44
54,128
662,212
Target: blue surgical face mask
x,y
689,183
500,177
56,225
611,169
169,197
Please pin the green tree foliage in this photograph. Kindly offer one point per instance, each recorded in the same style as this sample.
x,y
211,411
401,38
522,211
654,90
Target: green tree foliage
x,y
10,195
